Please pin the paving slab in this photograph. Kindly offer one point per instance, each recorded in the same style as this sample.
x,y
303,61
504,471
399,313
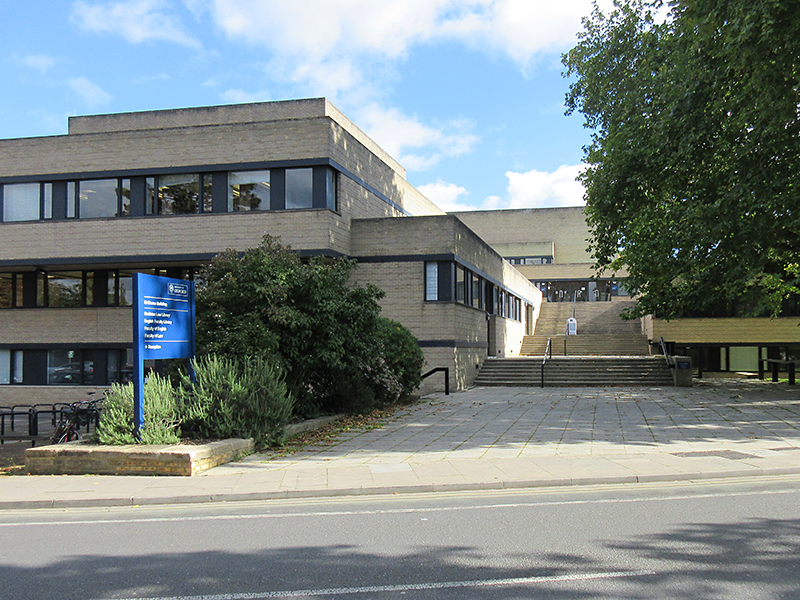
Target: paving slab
x,y
490,438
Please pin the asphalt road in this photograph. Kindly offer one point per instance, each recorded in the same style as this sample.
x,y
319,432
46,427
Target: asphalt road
x,y
726,540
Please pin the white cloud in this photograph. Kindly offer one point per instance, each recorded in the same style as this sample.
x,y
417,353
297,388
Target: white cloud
x,y
40,62
445,195
345,50
537,189
135,20
322,30
417,146
92,94
533,189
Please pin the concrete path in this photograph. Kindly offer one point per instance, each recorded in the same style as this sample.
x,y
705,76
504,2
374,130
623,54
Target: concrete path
x,y
491,438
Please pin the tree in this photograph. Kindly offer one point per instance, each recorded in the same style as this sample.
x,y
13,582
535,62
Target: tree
x,y
693,170
326,332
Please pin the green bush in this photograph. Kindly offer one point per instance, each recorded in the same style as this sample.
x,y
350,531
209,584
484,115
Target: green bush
x,y
161,414
324,329
236,398
402,354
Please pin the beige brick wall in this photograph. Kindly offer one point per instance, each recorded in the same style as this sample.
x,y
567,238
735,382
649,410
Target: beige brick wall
x,y
507,230
463,364
466,327
118,151
507,335
725,330
86,325
437,235
169,235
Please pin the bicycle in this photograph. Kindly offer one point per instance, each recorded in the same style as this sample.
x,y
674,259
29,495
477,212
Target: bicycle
x,y
73,417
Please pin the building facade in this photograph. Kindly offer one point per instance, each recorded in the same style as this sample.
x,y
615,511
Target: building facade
x,y
550,247
162,192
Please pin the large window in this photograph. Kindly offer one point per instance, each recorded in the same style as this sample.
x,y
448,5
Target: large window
x,y
248,190
65,289
21,202
104,198
171,194
178,194
68,289
299,186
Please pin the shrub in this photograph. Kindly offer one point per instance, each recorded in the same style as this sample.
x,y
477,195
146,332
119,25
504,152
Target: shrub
x,y
402,354
236,398
161,414
325,330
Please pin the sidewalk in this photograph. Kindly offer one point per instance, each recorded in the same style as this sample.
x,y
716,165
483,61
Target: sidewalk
x,y
491,438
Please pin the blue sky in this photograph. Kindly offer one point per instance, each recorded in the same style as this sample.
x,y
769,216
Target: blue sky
x,y
467,94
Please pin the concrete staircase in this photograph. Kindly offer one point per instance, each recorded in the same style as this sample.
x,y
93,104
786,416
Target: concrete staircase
x,y
576,371
606,352
601,332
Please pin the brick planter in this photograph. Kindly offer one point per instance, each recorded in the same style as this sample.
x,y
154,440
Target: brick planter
x,y
83,458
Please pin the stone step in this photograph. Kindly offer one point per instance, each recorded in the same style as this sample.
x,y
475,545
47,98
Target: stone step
x,y
587,345
576,371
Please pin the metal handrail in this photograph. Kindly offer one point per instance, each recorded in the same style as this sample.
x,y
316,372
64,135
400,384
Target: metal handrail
x,y
446,371
666,353
548,349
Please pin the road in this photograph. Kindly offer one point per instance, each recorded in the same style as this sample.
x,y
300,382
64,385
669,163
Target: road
x,y
725,540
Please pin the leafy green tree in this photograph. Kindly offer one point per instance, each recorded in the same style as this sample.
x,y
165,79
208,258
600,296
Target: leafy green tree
x,y
693,177
323,330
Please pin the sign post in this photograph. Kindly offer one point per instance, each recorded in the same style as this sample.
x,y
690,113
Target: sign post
x,y
163,327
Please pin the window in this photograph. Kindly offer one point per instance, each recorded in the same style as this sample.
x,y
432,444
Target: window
x,y
47,200
64,367
208,197
7,289
98,198
178,194
124,291
477,288
248,190
150,207
299,184
125,197
21,202
71,199
330,189
431,281
119,366
5,367
65,289
460,281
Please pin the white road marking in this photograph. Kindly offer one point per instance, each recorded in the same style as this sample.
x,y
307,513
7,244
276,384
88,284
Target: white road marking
x,y
391,511
406,587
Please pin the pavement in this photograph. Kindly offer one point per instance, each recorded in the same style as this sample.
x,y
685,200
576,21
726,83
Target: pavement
x,y
490,438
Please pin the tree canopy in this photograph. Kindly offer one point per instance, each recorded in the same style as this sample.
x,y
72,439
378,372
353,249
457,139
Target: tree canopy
x,y
693,170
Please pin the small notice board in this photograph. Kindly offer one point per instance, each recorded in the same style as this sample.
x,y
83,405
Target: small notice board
x,y
163,327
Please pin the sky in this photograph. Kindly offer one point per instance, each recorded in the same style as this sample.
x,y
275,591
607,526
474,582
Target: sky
x,y
468,95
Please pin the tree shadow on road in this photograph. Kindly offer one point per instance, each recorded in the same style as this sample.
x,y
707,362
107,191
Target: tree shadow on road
x,y
756,558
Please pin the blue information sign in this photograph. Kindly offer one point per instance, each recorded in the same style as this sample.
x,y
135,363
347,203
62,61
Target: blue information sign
x,y
163,327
